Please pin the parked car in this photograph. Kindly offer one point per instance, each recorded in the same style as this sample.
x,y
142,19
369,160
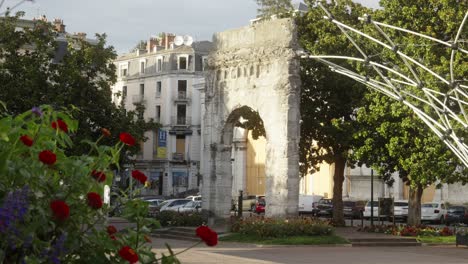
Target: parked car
x,y
171,205
306,203
153,205
367,209
433,212
248,202
260,206
456,214
353,209
400,210
194,197
190,207
325,207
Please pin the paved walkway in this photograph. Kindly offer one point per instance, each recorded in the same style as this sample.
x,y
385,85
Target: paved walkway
x,y
235,253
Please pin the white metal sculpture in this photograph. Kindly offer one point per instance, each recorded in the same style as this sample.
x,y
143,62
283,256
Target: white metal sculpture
x,y
435,108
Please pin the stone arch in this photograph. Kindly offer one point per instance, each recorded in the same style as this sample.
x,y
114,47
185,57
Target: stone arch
x,y
276,98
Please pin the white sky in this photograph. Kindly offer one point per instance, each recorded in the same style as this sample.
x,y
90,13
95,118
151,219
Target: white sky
x,y
127,21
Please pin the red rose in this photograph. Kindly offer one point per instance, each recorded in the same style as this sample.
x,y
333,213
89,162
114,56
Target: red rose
x,y
209,236
98,175
111,230
127,139
94,200
27,140
61,125
47,157
128,254
140,176
60,209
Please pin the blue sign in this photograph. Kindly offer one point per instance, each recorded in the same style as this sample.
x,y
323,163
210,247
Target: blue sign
x,y
162,138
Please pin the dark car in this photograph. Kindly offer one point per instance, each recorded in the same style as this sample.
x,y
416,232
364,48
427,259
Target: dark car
x,y
353,209
456,214
325,207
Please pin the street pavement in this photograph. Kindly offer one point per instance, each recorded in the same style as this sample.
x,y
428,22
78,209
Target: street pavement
x,y
235,253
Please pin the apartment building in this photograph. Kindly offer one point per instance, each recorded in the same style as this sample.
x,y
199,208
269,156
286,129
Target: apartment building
x,y
162,78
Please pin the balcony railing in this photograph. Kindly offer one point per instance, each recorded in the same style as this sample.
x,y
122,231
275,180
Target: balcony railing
x,y
181,96
181,120
178,156
139,98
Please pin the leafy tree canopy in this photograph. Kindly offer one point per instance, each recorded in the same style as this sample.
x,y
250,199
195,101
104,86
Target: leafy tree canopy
x,y
31,75
267,8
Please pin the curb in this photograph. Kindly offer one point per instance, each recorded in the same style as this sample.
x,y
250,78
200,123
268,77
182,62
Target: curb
x,y
287,246
437,244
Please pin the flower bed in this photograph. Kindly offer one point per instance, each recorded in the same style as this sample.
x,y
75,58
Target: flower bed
x,y
405,230
274,228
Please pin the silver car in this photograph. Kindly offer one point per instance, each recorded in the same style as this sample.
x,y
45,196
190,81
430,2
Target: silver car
x,y
190,207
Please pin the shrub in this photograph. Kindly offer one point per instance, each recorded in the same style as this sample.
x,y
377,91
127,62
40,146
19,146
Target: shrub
x,y
171,218
51,204
273,228
405,230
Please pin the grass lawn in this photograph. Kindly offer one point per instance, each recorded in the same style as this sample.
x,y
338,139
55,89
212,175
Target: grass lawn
x,y
294,240
437,239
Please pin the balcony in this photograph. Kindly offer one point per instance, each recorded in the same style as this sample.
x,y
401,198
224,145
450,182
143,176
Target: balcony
x,y
181,120
138,99
181,96
178,156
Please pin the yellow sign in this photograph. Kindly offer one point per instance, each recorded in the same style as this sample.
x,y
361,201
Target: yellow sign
x,y
161,153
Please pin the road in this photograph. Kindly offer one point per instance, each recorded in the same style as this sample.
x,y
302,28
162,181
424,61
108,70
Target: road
x,y
235,253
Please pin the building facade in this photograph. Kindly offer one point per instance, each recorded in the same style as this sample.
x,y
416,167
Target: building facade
x,y
162,78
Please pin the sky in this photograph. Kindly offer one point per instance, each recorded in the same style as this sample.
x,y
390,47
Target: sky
x,y
126,22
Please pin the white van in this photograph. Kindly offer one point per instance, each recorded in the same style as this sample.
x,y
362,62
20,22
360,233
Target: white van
x,y
306,203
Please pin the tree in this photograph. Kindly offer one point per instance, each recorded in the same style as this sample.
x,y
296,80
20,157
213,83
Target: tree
x,y
33,72
267,8
393,138
328,100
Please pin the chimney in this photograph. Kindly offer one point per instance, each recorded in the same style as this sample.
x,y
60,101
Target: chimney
x,y
59,26
151,45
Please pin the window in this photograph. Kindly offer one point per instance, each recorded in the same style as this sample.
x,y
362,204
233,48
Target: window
x,y
158,89
159,65
182,63
123,69
142,66
124,91
182,89
158,113
181,114
142,89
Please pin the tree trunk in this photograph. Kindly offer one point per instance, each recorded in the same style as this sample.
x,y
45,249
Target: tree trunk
x,y
414,205
338,178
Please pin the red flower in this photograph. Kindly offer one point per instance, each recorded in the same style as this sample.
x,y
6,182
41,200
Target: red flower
x,y
111,230
61,125
127,139
209,236
140,176
47,157
128,254
105,132
60,209
98,175
94,200
27,140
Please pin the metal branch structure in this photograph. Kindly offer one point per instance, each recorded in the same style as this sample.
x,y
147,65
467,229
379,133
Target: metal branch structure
x,y
444,112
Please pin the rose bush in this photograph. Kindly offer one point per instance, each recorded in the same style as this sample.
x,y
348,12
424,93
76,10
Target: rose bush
x,y
50,210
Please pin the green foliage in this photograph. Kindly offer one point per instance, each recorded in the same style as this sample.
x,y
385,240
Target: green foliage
x,y
80,81
275,228
171,218
35,230
267,8
252,121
